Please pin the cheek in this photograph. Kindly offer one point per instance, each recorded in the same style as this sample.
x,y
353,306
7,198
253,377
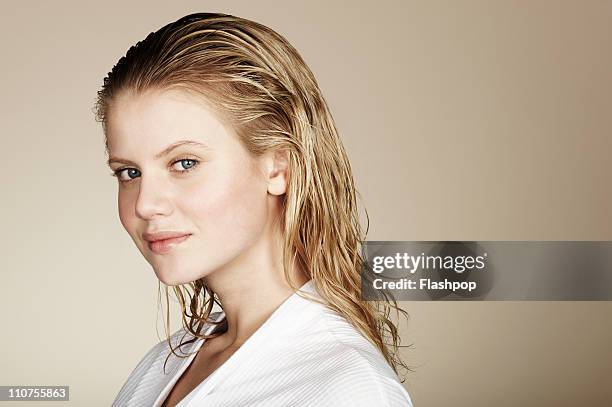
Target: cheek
x,y
126,211
233,210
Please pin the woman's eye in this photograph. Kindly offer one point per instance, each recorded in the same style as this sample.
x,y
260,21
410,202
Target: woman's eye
x,y
130,172
180,166
185,164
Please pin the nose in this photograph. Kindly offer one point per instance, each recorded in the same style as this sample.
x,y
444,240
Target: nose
x,y
153,199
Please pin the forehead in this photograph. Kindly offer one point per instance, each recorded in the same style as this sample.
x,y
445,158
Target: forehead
x,y
155,118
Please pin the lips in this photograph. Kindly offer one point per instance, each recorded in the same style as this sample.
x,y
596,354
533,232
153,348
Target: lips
x,y
151,237
163,242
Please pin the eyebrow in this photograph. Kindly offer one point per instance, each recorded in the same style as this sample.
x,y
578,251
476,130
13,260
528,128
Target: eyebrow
x,y
162,153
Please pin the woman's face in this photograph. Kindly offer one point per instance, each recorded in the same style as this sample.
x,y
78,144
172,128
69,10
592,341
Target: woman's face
x,y
210,189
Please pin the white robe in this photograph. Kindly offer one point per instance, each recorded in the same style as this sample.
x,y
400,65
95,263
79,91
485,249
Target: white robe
x,y
303,355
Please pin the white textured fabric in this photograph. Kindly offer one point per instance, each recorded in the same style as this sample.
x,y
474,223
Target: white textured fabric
x,y
303,355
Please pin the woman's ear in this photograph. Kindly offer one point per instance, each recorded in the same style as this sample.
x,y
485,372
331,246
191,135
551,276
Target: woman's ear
x,y
278,171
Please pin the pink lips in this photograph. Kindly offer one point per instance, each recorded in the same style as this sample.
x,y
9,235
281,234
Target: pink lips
x,y
160,243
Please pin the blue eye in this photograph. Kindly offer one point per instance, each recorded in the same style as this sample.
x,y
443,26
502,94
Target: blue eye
x,y
186,164
190,163
130,171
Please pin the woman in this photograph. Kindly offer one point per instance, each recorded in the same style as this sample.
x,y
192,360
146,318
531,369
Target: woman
x,y
235,187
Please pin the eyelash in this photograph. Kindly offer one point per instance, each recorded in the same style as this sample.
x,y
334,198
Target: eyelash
x,y
117,172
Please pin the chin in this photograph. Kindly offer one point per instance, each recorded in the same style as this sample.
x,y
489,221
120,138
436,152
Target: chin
x,y
172,279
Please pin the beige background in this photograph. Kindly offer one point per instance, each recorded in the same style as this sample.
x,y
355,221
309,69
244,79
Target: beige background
x,y
464,120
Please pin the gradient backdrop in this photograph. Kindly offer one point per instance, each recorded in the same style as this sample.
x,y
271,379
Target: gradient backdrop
x,y
463,120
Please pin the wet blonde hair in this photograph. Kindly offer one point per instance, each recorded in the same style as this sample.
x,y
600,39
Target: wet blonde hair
x,y
258,83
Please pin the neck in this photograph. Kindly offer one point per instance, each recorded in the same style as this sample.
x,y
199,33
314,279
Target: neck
x,y
251,288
